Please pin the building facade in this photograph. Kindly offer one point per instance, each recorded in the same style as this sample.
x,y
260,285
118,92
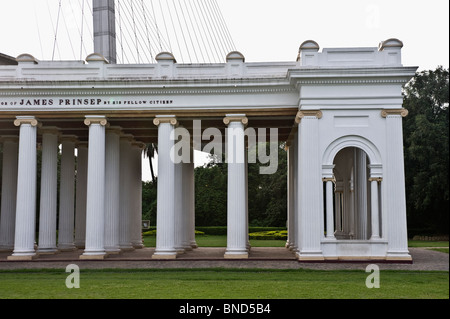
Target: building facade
x,y
339,110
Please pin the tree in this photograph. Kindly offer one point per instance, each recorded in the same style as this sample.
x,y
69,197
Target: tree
x,y
426,141
150,151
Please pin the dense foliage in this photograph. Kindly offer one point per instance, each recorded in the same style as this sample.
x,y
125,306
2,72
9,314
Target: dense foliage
x,y
426,142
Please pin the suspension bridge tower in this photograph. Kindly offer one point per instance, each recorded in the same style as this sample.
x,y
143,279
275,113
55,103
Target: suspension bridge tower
x,y
105,29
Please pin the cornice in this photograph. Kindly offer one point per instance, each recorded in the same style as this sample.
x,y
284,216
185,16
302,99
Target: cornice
x,y
149,92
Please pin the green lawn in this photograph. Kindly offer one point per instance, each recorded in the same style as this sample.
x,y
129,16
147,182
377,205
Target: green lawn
x,y
223,284
220,241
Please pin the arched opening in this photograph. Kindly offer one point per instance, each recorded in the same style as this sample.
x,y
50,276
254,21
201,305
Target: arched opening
x,y
352,195
352,172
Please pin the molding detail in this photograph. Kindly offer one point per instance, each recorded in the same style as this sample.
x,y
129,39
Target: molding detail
x,y
95,120
301,114
235,118
26,120
401,112
165,119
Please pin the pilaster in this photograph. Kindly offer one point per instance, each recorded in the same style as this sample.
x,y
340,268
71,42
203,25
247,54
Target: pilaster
x,y
394,187
309,187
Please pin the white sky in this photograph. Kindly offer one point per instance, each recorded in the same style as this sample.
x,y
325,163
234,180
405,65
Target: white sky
x,y
266,30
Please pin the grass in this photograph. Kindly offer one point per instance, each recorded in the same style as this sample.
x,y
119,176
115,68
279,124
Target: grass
x,y
222,284
220,241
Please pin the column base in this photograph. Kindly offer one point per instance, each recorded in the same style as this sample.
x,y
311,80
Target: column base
x,y
398,256
67,247
164,256
93,257
138,246
236,254
113,251
126,247
47,251
21,257
309,256
194,245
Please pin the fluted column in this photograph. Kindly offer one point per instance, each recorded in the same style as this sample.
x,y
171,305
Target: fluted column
x,y
9,190
24,236
190,186
95,202
290,196
112,190
136,214
67,195
310,187
165,219
49,190
125,205
375,210
361,194
329,207
81,193
236,207
394,187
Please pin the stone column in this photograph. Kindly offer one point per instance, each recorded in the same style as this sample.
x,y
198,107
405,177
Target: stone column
x,y
329,207
136,220
394,187
236,208
375,211
187,209
24,237
190,185
125,193
165,219
49,190
67,195
180,209
290,196
112,190
95,202
310,187
9,191
81,193
361,194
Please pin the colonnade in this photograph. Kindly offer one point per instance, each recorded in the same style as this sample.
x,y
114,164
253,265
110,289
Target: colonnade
x,y
99,191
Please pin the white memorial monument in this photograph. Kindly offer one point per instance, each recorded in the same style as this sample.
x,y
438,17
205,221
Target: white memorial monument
x,y
339,110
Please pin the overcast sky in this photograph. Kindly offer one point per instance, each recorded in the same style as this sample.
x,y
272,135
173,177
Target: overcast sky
x,y
266,30
263,30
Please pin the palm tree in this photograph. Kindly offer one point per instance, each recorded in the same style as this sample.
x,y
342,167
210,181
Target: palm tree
x,y
151,149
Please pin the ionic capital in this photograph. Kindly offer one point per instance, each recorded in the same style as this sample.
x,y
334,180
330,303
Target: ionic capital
x,y
310,113
101,120
68,138
235,118
114,129
401,112
172,120
376,179
49,130
329,179
26,120
139,145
